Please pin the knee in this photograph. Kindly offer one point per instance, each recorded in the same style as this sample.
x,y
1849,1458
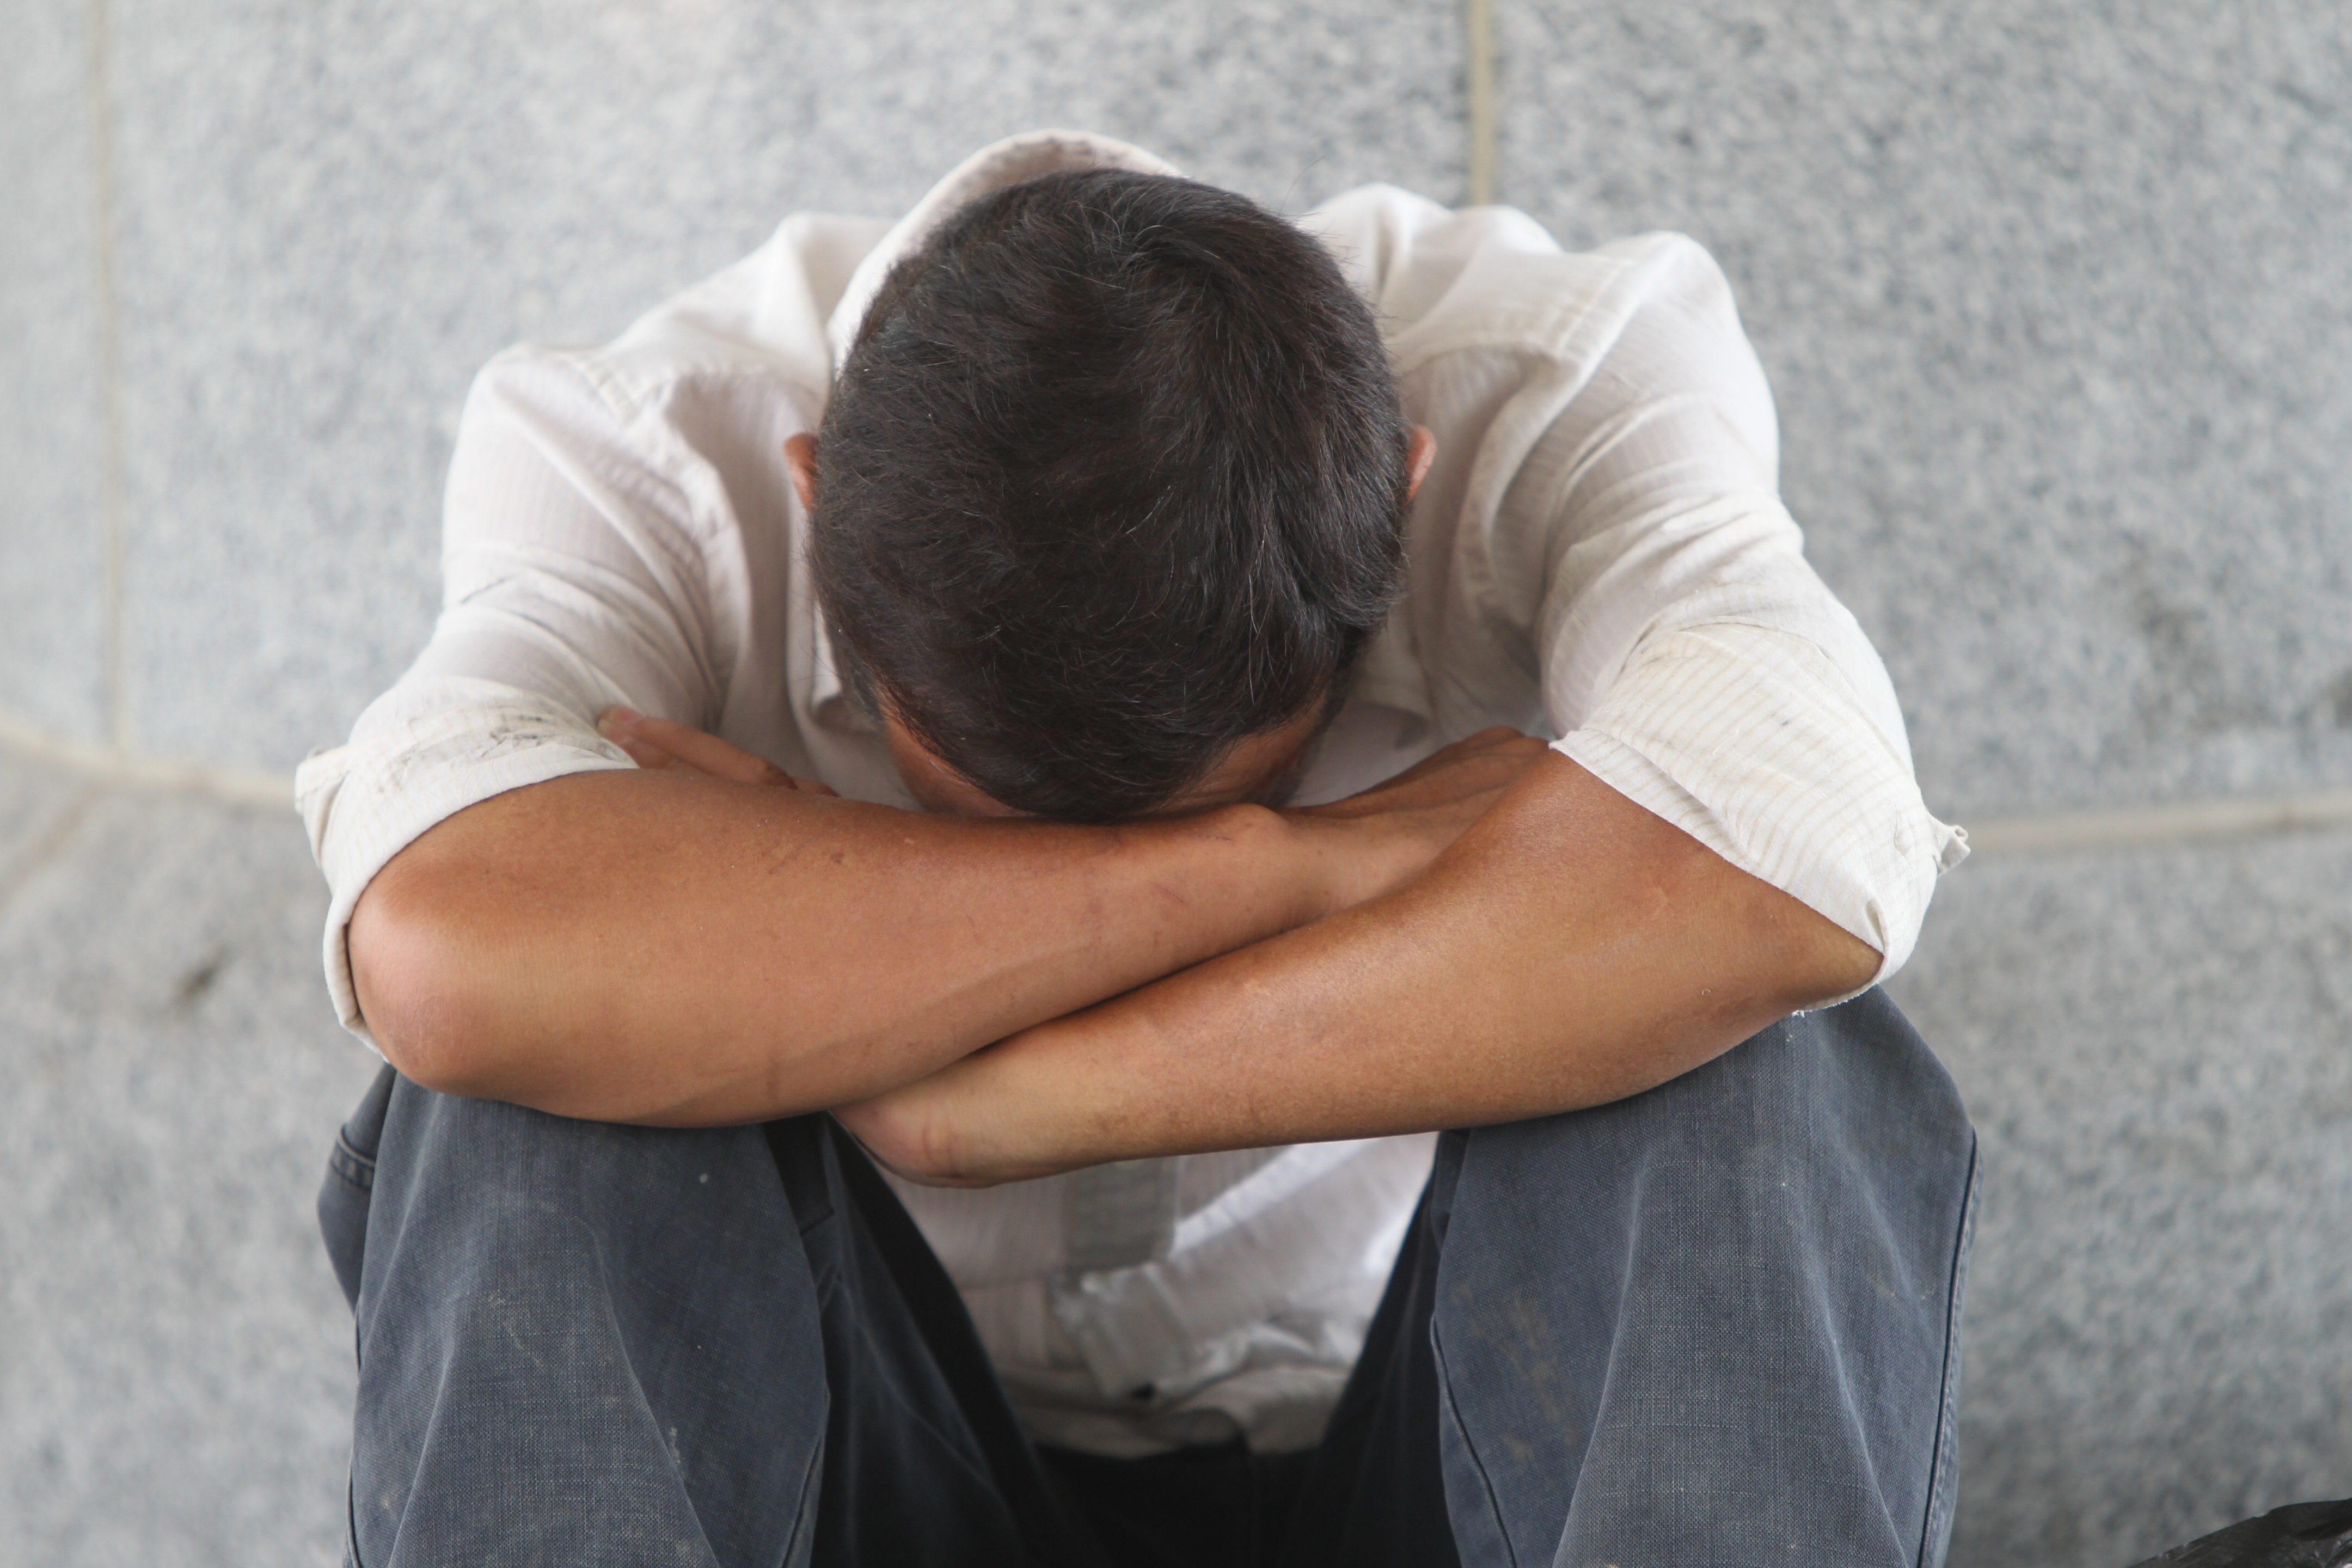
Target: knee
x,y
500,1199
500,1156
1858,1069
1818,1108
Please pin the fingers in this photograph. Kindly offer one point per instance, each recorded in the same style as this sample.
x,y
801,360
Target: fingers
x,y
1394,832
1447,790
619,725
1499,744
669,746
1504,745
1494,738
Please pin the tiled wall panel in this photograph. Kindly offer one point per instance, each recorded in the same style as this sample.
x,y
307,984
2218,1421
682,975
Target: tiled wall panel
x,y
2053,296
2054,300
332,215
175,1361
2152,1043
52,573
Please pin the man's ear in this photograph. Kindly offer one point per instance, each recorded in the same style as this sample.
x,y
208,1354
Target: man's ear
x,y
1419,453
800,457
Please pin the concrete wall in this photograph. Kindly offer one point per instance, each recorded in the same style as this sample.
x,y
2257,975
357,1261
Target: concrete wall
x,y
2053,296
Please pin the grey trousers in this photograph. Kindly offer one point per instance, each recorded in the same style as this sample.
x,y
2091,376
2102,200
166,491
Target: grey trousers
x,y
1712,1325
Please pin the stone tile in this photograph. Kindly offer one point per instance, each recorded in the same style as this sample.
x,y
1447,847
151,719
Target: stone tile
x,y
356,209
2052,300
163,909
175,1360
52,590
1290,103
39,806
2154,1045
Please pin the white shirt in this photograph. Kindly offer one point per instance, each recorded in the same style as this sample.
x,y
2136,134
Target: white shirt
x,y
1598,555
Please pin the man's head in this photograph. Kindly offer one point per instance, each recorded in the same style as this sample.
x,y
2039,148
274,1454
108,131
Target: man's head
x,y
1110,495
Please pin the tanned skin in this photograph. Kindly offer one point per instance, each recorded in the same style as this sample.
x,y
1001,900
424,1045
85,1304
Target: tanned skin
x,y
1493,935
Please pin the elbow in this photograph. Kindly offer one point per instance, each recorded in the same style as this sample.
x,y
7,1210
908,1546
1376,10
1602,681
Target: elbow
x,y
1820,961
418,981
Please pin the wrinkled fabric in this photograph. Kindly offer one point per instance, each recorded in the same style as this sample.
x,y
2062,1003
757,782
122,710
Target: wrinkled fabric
x,y
1715,1324
1598,555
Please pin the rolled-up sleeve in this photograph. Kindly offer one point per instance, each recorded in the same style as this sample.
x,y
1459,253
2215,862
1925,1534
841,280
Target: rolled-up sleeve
x,y
1749,738
573,581
1691,658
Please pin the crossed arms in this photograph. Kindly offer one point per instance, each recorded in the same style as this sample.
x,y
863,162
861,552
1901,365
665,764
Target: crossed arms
x,y
1493,935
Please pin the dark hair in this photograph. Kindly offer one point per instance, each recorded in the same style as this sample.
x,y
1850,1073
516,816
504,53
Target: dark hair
x,y
1113,478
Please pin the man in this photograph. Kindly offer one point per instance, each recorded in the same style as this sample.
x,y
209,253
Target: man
x,y
1044,683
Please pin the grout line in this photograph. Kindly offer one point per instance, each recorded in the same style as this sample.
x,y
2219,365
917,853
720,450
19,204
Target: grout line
x,y
2130,827
1478,38
2161,824
113,451
46,844
116,765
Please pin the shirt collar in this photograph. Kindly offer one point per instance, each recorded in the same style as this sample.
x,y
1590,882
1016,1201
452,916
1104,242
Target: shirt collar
x,y
829,698
1390,673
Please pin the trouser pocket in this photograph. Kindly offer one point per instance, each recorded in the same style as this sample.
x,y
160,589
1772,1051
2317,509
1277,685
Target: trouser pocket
x,y
351,1178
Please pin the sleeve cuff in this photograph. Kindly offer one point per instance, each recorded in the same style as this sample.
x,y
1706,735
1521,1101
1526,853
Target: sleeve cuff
x,y
365,802
1752,741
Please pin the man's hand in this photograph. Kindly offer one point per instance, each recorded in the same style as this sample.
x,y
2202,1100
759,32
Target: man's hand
x,y
1372,844
1368,844
1385,836
706,940
1570,949
663,745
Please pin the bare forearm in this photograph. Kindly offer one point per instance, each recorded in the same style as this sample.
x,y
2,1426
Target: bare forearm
x,y
1570,949
641,946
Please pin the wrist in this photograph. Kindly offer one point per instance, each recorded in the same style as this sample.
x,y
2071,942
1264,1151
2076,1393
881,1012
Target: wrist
x,y
969,1124
1299,855
1344,858
912,1131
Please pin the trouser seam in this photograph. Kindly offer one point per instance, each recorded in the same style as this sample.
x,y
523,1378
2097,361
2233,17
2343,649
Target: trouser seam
x,y
804,1508
1941,1473
351,1164
1486,1483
